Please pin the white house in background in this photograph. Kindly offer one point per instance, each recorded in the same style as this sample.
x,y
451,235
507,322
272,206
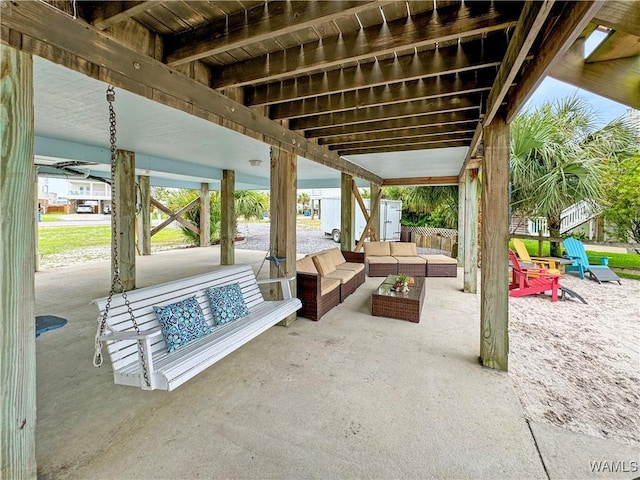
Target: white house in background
x,y
89,192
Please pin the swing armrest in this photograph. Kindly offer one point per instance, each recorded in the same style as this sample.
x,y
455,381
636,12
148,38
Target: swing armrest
x,y
284,282
131,335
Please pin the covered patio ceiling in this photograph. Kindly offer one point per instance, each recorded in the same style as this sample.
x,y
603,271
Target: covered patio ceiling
x,y
391,92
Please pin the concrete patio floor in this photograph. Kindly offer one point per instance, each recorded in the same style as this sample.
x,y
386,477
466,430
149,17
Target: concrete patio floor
x,y
351,396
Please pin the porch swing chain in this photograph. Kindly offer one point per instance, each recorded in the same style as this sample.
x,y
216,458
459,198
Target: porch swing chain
x,y
116,280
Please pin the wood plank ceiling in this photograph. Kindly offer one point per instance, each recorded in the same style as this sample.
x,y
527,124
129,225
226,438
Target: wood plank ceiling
x,y
354,77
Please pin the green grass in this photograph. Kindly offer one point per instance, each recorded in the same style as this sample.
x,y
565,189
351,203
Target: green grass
x,y
51,217
617,261
63,239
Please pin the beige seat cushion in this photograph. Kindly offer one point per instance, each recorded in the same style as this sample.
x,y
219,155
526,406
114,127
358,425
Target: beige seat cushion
x,y
411,260
382,259
343,275
336,256
328,284
377,249
403,249
439,260
306,265
324,263
354,267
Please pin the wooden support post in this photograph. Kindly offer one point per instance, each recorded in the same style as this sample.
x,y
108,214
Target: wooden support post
x,y
470,253
494,306
375,209
228,218
347,213
123,218
205,216
144,216
17,296
461,218
284,176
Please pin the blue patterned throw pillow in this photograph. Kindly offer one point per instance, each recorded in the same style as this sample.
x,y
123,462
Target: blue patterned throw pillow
x,y
227,303
181,322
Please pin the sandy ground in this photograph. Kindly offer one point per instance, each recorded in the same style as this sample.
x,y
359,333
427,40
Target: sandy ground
x,y
578,366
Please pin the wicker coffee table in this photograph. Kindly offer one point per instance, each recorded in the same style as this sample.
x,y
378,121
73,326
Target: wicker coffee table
x,y
402,305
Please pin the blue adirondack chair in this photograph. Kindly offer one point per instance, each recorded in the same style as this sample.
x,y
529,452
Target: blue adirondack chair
x,y
575,251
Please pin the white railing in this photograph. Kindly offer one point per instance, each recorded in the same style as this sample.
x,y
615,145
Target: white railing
x,y
570,218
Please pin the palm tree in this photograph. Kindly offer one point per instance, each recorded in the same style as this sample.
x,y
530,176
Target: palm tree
x,y
250,204
557,159
431,199
304,200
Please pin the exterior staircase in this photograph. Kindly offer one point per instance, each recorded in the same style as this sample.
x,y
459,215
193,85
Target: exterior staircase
x,y
570,218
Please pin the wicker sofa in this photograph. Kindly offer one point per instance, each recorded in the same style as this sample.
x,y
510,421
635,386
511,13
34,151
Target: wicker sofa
x,y
325,279
317,294
393,258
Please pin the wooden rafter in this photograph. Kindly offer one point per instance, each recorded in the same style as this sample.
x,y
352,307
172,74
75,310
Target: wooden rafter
x,y
428,29
406,146
620,15
426,140
257,24
399,123
616,79
424,89
437,131
416,66
108,14
389,112
418,181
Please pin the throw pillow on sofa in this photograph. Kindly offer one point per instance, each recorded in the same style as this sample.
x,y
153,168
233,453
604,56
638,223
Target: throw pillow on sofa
x,y
227,303
181,322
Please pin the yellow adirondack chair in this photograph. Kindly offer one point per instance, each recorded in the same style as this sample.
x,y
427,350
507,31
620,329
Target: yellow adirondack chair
x,y
546,263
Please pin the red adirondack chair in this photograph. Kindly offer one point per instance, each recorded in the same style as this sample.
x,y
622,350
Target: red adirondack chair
x,y
523,283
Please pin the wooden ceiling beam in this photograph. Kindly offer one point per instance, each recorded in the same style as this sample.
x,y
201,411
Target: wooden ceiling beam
x,y
568,26
460,58
408,140
108,14
58,37
616,45
621,15
388,112
456,128
427,29
420,181
423,89
257,24
617,80
407,147
532,18
399,123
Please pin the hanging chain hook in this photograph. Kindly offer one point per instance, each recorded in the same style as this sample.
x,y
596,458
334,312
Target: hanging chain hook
x,y
116,281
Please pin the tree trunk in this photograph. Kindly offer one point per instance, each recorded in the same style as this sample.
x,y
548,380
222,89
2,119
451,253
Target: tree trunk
x,y
553,223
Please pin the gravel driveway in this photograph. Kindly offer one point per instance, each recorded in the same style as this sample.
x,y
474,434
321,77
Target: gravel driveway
x,y
309,239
